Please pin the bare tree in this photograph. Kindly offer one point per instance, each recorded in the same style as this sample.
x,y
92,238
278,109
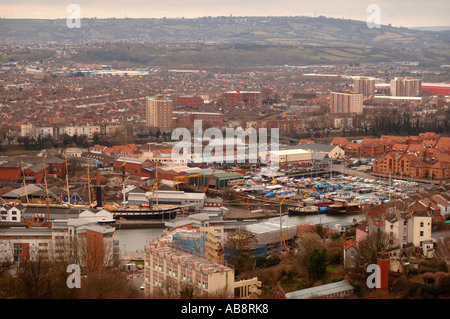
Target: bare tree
x,y
375,243
306,244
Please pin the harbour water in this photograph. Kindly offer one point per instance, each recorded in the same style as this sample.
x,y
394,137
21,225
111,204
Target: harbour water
x,y
134,240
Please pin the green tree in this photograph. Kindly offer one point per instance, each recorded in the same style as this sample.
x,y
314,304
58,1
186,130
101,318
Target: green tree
x,y
318,264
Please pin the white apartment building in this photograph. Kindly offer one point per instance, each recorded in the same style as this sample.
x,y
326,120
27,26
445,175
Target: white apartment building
x,y
346,102
22,243
29,130
409,228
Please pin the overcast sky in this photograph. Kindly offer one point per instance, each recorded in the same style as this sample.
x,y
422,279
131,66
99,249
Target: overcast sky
x,y
412,13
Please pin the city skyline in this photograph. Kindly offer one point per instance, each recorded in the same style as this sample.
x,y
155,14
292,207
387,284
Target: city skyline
x,y
400,13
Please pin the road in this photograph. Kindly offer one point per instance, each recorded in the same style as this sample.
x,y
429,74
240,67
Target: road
x,y
136,278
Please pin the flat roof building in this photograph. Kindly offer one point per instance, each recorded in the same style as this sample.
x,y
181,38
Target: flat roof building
x,y
159,112
340,289
346,103
290,155
169,271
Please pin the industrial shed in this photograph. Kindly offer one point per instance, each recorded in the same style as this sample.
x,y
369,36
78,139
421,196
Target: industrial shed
x,y
219,179
268,234
340,289
289,156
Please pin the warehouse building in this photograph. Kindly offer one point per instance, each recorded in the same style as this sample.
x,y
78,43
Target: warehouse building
x,y
290,155
217,179
333,151
335,290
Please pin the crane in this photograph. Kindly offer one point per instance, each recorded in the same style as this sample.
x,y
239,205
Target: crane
x,y
282,239
176,178
209,181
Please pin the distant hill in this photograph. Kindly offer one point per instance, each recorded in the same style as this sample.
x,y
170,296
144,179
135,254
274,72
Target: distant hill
x,y
300,39
435,28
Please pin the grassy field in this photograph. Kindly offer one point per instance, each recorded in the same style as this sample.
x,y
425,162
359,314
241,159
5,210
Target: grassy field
x,y
291,39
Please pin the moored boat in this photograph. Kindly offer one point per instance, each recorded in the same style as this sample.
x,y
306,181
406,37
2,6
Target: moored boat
x,y
305,210
341,206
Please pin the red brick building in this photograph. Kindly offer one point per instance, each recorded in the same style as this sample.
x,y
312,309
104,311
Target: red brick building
x,y
373,147
99,246
10,172
132,166
242,98
190,101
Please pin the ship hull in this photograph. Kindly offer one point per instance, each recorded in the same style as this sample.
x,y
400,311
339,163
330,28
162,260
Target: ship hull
x,y
297,212
144,214
332,210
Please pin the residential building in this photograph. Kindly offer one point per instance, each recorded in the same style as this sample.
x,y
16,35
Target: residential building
x,y
364,86
187,118
89,229
169,271
242,98
190,101
351,254
159,112
10,214
283,125
406,87
443,204
346,103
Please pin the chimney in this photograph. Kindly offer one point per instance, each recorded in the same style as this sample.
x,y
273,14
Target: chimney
x,y
383,263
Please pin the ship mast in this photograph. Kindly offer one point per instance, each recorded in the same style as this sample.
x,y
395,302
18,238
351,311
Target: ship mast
x,y
156,184
67,181
89,182
46,190
24,183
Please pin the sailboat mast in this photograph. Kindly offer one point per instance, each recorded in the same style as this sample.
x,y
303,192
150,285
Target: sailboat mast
x,y
89,182
46,190
156,184
24,183
67,181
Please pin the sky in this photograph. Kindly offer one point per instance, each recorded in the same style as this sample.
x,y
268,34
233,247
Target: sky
x,y
399,13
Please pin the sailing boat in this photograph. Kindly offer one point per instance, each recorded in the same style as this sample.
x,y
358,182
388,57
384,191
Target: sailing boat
x,y
130,212
146,210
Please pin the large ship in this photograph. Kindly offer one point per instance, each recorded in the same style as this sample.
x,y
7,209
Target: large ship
x,y
342,206
161,212
38,214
